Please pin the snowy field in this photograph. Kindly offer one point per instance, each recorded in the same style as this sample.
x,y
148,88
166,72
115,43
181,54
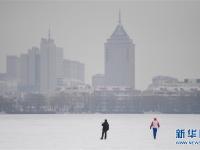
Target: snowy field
x,y
82,132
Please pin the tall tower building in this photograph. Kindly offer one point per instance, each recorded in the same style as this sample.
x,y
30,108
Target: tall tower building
x,y
29,71
51,59
23,73
12,67
120,58
33,69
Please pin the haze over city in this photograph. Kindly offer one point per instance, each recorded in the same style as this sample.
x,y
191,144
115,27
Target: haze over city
x,y
99,75
166,34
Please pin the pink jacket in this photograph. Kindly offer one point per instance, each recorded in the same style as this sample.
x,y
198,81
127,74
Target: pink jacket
x,y
154,124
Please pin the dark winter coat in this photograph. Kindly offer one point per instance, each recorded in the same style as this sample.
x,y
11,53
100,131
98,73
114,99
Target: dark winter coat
x,y
105,126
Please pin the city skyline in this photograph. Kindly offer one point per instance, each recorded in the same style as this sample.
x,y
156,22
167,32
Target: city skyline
x,y
43,70
165,34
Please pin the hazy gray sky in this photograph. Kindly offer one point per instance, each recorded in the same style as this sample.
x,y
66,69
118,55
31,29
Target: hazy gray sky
x,y
166,34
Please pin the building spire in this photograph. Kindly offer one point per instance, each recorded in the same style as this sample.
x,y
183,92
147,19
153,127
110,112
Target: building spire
x,y
119,21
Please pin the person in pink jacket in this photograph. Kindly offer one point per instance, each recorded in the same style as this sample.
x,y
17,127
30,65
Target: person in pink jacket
x,y
155,125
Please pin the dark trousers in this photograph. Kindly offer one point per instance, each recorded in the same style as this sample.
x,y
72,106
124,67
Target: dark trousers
x,y
104,134
154,132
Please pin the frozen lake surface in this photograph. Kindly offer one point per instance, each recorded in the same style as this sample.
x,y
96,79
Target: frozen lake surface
x,y
82,132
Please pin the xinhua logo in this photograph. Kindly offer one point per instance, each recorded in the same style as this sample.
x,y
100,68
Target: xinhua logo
x,y
188,136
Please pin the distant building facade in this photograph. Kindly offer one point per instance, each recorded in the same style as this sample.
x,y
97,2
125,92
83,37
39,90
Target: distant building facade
x,y
120,59
74,71
172,86
23,72
34,69
8,86
51,59
29,71
12,67
98,80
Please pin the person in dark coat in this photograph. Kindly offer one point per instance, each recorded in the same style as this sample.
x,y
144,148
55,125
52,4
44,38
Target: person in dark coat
x,y
105,128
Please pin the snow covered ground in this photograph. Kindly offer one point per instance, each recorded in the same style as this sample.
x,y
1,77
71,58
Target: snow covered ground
x,y
82,132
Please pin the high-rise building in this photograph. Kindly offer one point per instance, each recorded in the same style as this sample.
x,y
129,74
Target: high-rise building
x,y
51,59
120,59
23,71
29,71
59,62
33,69
12,67
74,70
